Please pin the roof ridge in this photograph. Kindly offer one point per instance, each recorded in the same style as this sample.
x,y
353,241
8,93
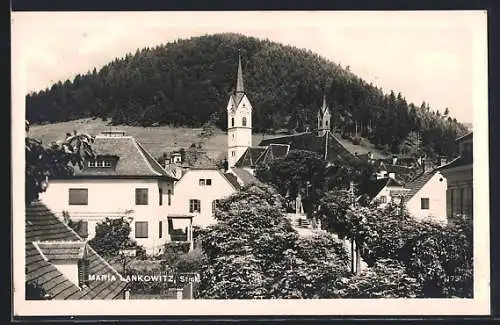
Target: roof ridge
x,y
59,242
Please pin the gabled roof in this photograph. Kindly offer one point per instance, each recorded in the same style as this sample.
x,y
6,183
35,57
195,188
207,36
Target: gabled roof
x,y
133,159
245,176
415,185
250,157
44,229
324,145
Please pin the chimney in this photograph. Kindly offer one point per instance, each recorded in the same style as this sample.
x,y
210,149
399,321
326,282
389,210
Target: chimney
x,y
442,161
392,175
394,160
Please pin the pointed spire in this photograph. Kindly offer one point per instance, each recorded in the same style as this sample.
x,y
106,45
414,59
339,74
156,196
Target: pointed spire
x,y
239,82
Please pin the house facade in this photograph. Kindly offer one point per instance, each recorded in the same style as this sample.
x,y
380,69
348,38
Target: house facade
x,y
197,193
459,172
426,196
122,181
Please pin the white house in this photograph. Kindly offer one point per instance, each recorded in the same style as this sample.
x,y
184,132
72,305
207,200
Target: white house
x,y
197,193
124,180
426,197
385,189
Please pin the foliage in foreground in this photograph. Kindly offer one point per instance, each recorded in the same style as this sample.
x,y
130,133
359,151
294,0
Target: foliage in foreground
x,y
111,236
438,256
254,253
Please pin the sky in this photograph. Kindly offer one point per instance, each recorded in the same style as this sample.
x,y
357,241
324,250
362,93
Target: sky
x,y
427,56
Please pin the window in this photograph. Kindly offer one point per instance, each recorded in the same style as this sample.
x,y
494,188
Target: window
x,y
232,121
203,182
169,198
194,206
91,163
424,203
141,196
83,272
83,229
244,121
383,199
160,229
107,163
160,197
78,196
141,229
215,203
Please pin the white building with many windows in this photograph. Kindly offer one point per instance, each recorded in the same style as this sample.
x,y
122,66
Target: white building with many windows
x,y
123,180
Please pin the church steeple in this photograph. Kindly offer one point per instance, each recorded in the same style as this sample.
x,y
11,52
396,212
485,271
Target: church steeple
x,y
239,120
239,81
324,118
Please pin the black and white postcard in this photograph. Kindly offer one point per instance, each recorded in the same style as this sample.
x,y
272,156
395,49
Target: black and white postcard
x,y
250,163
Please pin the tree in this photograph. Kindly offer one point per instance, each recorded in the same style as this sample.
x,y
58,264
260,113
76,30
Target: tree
x,y
111,236
300,171
386,279
412,145
59,159
253,252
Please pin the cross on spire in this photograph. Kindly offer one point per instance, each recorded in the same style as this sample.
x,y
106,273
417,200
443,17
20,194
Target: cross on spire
x,y
239,82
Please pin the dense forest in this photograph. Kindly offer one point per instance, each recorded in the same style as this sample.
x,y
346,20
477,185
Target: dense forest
x,y
187,83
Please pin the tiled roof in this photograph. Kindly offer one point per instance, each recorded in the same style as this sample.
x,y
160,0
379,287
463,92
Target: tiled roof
x,y
62,250
232,180
133,159
245,176
250,157
43,226
457,162
415,185
326,144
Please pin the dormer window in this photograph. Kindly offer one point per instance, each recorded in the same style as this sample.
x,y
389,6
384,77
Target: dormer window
x,y
70,258
100,163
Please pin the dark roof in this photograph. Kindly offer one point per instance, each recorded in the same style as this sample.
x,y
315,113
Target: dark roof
x,y
133,159
375,186
278,150
245,176
415,185
457,162
321,144
232,180
250,157
43,226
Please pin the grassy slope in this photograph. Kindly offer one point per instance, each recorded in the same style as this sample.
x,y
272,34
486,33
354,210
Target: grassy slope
x,y
159,139
155,139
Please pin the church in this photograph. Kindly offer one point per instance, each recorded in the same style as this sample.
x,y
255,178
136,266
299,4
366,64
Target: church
x,y
241,154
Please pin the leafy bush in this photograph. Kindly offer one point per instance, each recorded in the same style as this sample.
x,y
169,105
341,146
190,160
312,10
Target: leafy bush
x,y
190,262
386,279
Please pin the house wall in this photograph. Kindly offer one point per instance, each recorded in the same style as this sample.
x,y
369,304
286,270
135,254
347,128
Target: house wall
x,y
114,198
435,190
459,196
188,188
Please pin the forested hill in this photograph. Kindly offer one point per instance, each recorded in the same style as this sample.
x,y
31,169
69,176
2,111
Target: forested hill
x,y
187,83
